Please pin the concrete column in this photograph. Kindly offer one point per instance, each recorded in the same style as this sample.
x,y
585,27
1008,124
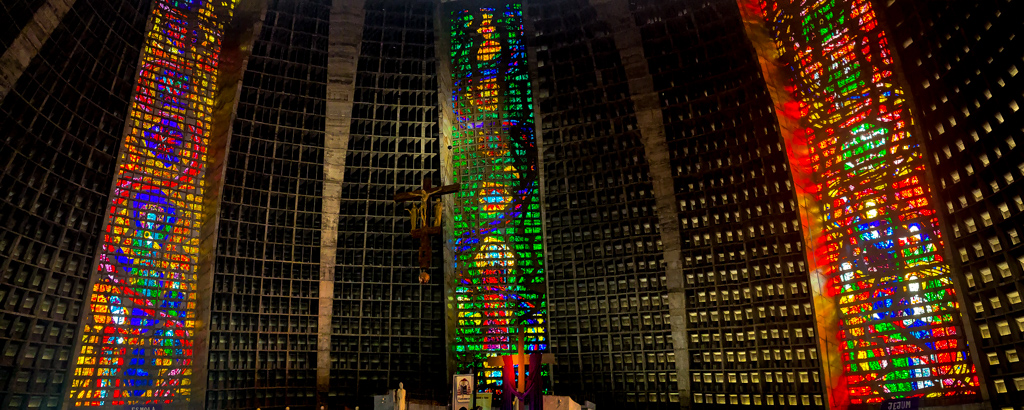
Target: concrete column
x,y
346,35
236,47
647,108
24,48
826,308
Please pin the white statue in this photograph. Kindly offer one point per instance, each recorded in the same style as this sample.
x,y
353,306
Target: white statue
x,y
400,397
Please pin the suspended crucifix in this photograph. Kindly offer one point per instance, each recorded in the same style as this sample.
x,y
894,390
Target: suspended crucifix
x,y
421,212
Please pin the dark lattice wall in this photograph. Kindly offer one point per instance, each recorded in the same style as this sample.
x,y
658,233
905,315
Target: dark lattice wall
x,y
609,305
60,128
263,338
750,322
386,327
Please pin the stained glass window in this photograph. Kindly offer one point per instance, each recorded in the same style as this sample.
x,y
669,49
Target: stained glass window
x,y
875,235
138,334
499,257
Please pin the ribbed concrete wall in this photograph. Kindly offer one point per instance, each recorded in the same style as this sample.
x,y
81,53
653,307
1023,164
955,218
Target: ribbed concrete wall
x,y
342,55
24,48
652,132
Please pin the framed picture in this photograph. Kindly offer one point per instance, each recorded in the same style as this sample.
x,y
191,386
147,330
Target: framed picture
x,y
462,391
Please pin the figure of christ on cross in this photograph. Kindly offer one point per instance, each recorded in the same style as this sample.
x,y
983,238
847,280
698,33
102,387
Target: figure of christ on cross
x,y
420,212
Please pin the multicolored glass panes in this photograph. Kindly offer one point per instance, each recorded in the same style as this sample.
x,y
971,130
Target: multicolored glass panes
x,y
879,243
499,270
137,338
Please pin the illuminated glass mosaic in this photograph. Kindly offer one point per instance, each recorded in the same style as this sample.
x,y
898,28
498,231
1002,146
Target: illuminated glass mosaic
x,y
879,243
137,339
499,267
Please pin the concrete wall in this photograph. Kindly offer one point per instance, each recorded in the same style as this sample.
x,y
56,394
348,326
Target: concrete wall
x,y
652,132
346,34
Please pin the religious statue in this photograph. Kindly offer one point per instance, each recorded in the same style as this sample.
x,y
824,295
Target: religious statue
x,y
414,215
420,213
424,202
400,397
437,212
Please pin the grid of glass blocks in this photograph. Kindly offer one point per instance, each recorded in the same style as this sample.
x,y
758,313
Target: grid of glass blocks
x,y
386,327
750,325
136,345
877,239
608,301
263,337
58,158
963,73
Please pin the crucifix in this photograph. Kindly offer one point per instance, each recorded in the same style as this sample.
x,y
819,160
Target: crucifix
x,y
421,224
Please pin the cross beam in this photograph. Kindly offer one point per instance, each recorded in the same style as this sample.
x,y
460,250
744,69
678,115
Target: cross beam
x,y
416,195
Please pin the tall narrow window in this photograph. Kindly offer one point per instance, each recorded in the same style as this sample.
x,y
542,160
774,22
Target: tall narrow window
x,y
880,241
499,288
137,338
